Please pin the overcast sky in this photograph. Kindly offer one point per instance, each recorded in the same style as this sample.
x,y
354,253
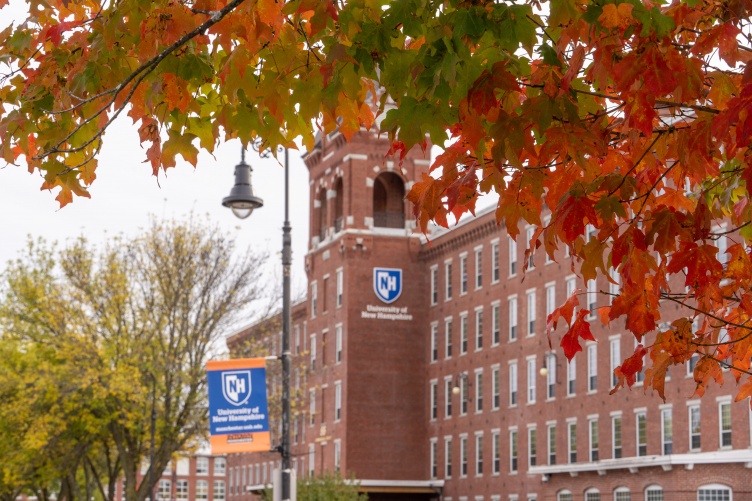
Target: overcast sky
x,y
126,195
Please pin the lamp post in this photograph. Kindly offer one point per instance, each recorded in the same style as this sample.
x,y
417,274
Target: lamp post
x,y
242,201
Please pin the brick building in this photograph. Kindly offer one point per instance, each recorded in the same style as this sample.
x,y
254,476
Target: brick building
x,y
439,393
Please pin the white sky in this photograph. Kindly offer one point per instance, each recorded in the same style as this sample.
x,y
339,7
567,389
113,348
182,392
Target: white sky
x,y
125,196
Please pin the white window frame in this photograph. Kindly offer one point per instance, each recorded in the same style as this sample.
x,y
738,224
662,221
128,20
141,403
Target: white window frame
x,y
478,328
463,274
532,445
513,383
530,257
495,272
434,342
495,387
447,457
495,451
448,280
512,257
513,312
514,451
572,377
667,429
641,414
715,487
531,312
593,439
464,341
692,407
478,453
337,401
448,387
314,298
551,443
434,285
724,402
617,417
592,366
532,376
434,398
495,323
614,343
448,337
337,344
479,267
571,441
340,287
478,391
463,455
550,297
433,451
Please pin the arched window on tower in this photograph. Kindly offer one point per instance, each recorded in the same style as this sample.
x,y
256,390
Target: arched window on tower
x,y
388,201
338,204
323,221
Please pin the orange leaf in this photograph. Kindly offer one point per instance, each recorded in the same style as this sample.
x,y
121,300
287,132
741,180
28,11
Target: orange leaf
x,y
627,371
655,376
580,329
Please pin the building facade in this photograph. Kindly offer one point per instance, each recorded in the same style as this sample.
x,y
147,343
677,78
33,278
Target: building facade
x,y
446,386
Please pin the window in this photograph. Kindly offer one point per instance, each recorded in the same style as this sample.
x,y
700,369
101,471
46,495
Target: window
x,y
724,419
311,459
551,435
694,427
297,339
463,333
642,436
572,440
448,397
312,406
338,399
448,280
667,431
434,450
496,323
220,466
592,297
340,287
478,391
550,298
512,257
531,313
495,261
202,489
614,287
564,496
463,394
529,236
181,490
463,456
592,495
434,285
513,318
164,489
434,400
219,490
313,351
531,380
463,274
615,344
337,454
495,387
622,494
202,465
338,344
434,342
550,375
593,435
592,351
654,493
496,451
513,383
616,434
532,446
640,376
714,492
448,457
448,337
478,268
478,454
571,376
478,328
513,450
314,298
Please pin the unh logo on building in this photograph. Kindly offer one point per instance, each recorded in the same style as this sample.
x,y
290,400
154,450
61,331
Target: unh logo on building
x,y
236,386
387,284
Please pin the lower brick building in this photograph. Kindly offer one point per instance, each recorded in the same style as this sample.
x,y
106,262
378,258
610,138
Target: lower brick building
x,y
423,369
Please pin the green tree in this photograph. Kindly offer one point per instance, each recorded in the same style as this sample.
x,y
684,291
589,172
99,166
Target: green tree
x,y
93,339
327,487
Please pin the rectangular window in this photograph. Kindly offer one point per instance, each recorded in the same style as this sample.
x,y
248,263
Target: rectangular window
x,y
313,351
463,333
551,429
550,375
529,236
340,287
724,418
312,406
640,376
667,431
202,490
464,393
337,400
513,384
434,450
478,268
531,380
512,257
463,274
550,298
448,280
594,446
496,323
592,297
478,328
478,454
219,491
202,465
614,286
181,490
531,313
572,439
448,337
513,450
694,427
164,489
338,344
495,261
532,446
615,345
220,466
337,454
592,351
311,459
314,298
571,376
642,435
496,451
463,456
495,387
325,294
448,397
434,400
434,285
616,433
448,457
434,342
513,318
478,392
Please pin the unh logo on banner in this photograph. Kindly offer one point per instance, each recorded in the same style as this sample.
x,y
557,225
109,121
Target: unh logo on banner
x,y
387,284
236,386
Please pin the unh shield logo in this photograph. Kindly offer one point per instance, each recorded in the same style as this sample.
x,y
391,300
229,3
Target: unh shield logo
x,y
236,386
387,283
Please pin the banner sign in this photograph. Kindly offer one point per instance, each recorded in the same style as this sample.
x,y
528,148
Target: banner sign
x,y
238,410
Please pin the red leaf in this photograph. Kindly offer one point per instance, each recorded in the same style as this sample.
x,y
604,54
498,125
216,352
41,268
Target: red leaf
x,y
580,329
627,371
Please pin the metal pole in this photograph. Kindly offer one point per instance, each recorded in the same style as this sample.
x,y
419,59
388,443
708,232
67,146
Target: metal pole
x,y
286,261
153,425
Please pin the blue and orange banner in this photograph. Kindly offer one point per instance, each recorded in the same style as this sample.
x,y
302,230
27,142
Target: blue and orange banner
x,y
238,409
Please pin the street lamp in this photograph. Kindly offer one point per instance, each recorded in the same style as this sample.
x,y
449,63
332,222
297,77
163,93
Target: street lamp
x,y
242,201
